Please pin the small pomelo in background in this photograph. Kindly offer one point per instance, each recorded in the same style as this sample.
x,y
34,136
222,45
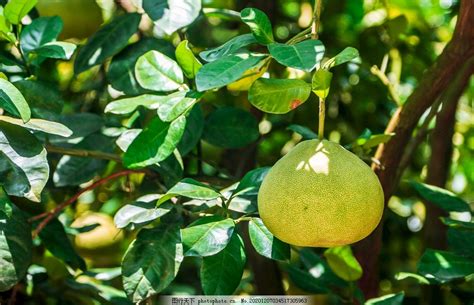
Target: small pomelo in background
x,y
320,195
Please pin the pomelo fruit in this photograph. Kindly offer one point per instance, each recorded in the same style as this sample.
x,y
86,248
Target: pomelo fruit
x,y
320,195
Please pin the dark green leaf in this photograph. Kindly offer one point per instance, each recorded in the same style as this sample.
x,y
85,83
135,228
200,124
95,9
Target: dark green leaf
x,y
304,55
152,262
321,83
16,246
226,70
81,124
344,56
180,13
186,59
228,48
457,224
13,101
259,25
320,270
24,169
372,140
278,95
389,299
56,49
250,183
156,71
155,143
222,272
192,189
305,280
193,131
305,132
176,104
265,243
444,199
155,9
461,241
230,127
343,263
43,98
141,212
108,41
15,10
54,238
443,266
39,32
207,236
121,73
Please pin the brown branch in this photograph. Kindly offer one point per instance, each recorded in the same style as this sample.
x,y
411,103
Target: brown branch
x,y
50,215
435,81
83,153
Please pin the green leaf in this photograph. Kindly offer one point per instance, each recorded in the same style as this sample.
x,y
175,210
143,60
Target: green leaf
x,y
121,73
151,262
344,56
304,55
108,41
43,98
13,101
319,269
155,143
180,13
186,59
457,224
192,189
226,70
15,10
82,124
56,49
373,140
40,125
141,212
389,299
461,241
306,281
250,183
6,28
155,9
40,32
193,131
16,246
278,96
156,71
265,243
305,132
405,275
207,236
343,263
228,48
24,169
443,266
259,25
230,127
54,238
222,272
176,104
128,105
321,83
444,199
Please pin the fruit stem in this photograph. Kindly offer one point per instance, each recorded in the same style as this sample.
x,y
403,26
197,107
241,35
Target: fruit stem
x,y
316,19
322,116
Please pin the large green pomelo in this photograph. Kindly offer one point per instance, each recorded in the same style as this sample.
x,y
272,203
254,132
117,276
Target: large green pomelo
x,y
320,195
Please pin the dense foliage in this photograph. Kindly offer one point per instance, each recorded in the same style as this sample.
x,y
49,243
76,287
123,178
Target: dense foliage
x,y
132,151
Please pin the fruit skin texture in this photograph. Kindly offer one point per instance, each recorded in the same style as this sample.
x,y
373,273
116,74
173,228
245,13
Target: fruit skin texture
x,y
320,195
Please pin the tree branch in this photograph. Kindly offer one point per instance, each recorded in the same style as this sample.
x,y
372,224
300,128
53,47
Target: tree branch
x,y
83,153
435,81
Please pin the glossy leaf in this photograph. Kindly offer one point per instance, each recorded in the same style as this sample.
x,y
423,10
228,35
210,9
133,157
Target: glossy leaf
x,y
452,223
192,189
226,70
305,132
108,41
304,55
155,9
222,272
389,299
151,262
56,49
259,24
15,10
461,241
156,71
207,236
305,280
44,99
186,59
13,101
130,104
250,183
321,83
265,243
278,96
155,143
230,127
344,56
141,212
443,266
24,169
230,47
121,73
319,269
177,15
40,32
176,104
249,77
444,199
193,131
343,263
16,246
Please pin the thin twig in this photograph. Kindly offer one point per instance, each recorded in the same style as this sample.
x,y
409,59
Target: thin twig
x,y
391,89
83,153
322,115
50,215
316,19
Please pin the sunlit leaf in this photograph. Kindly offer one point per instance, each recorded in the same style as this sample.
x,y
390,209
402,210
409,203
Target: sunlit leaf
x,y
176,15
13,101
230,47
444,199
265,243
343,263
389,299
186,59
304,55
15,10
156,71
443,266
321,83
259,24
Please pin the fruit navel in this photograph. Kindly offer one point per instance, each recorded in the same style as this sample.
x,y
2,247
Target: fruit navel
x,y
320,195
